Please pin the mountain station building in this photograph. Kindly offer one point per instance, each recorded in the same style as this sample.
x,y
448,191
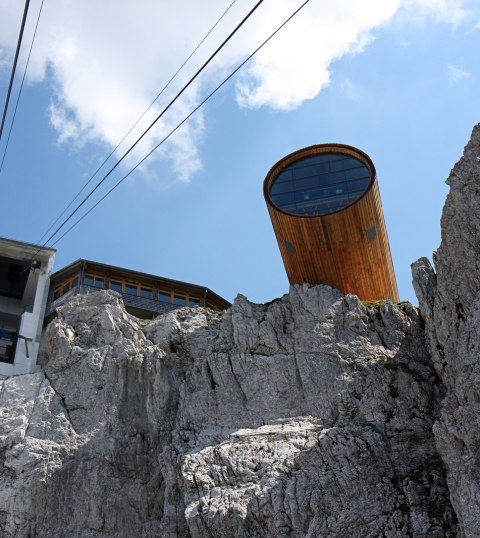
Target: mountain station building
x,y
144,295
30,295
24,286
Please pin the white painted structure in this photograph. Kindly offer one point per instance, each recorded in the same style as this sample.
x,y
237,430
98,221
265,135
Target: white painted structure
x,y
24,283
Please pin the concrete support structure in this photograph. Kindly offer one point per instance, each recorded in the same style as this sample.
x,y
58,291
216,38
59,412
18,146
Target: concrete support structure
x,y
24,284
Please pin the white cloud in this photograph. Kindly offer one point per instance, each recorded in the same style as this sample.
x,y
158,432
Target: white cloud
x,y
66,127
450,11
455,73
107,60
295,66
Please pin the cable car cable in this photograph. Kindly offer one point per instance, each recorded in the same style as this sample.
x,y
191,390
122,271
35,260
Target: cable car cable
x,y
21,88
12,75
181,123
137,122
170,104
146,131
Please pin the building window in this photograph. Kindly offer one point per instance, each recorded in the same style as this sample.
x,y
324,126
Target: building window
x,y
57,293
70,284
131,289
116,285
164,296
177,298
61,289
320,184
97,281
147,293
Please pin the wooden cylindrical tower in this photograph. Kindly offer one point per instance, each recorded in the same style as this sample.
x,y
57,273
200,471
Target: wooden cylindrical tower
x,y
327,215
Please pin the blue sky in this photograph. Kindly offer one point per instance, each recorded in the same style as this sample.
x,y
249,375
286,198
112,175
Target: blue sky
x,y
397,79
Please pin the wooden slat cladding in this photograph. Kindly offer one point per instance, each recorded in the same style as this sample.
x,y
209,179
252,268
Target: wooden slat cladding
x,y
347,249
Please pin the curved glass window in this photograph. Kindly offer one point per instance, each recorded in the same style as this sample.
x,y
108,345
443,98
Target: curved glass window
x,y
320,184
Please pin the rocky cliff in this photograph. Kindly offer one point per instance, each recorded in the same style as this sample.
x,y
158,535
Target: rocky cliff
x,y
314,415
450,304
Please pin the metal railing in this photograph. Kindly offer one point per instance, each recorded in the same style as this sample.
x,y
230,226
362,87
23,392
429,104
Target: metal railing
x,y
53,305
155,306
144,303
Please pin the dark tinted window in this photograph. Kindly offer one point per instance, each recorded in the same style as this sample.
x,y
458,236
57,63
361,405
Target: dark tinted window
x,y
131,289
320,184
116,286
146,292
165,297
178,299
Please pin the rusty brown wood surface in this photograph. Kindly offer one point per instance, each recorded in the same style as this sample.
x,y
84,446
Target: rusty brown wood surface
x,y
348,249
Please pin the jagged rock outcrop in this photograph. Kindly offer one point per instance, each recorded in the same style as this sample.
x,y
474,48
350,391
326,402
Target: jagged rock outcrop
x,y
310,416
314,415
450,302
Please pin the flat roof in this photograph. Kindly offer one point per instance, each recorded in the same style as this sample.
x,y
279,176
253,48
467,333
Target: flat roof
x,y
30,248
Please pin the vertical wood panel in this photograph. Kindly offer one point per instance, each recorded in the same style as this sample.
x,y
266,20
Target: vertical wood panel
x,y
334,249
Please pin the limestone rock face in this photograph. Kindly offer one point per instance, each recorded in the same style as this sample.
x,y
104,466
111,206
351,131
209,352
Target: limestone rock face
x,y
314,415
310,416
450,303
